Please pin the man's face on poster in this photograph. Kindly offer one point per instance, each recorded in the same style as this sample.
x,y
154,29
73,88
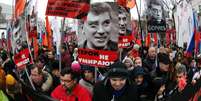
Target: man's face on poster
x,y
156,11
97,29
122,23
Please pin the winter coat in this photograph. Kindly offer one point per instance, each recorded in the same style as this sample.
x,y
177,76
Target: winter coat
x,y
104,92
79,93
89,86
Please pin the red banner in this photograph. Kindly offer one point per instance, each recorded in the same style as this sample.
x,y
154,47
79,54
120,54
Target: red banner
x,y
22,58
67,8
98,58
124,41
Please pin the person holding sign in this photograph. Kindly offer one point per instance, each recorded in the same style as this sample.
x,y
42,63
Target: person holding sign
x,y
98,27
116,86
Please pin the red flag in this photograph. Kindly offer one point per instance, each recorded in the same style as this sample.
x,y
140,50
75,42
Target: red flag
x,y
148,40
35,44
122,2
44,41
197,41
167,38
155,39
49,33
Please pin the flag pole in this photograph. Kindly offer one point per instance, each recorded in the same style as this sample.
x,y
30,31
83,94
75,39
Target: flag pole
x,y
62,28
140,25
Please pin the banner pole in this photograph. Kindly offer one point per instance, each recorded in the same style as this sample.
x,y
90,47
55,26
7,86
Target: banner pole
x,y
62,28
96,74
140,25
30,79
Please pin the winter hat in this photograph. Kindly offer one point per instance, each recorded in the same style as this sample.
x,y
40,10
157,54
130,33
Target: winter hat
x,y
75,66
10,80
118,69
136,47
87,67
129,59
164,58
138,71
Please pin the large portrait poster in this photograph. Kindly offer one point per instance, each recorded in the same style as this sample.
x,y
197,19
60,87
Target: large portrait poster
x,y
124,23
156,16
98,35
20,44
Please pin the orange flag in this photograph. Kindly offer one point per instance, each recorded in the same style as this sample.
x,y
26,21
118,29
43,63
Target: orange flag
x,y
44,41
49,33
19,7
130,3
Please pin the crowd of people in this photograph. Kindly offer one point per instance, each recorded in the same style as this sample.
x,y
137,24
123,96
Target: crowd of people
x,y
158,76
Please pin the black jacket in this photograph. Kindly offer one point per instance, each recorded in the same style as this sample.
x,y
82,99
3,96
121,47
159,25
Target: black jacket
x,y
104,92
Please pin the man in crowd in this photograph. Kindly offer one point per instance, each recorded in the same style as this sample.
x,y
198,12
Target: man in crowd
x,y
42,80
150,62
116,86
170,89
97,28
69,89
88,78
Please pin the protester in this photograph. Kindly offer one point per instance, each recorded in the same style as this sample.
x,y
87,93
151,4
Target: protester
x,y
150,62
42,80
98,28
6,62
116,86
138,62
88,78
160,75
168,90
66,59
138,76
14,89
129,63
69,89
197,75
55,74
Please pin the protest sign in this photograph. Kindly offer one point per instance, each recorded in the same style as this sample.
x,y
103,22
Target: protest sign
x,y
98,58
67,8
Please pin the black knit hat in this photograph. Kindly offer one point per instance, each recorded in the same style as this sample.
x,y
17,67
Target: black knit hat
x,y
87,67
138,71
164,58
118,69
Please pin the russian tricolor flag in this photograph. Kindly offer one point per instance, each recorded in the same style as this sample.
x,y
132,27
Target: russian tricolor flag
x,y
191,43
